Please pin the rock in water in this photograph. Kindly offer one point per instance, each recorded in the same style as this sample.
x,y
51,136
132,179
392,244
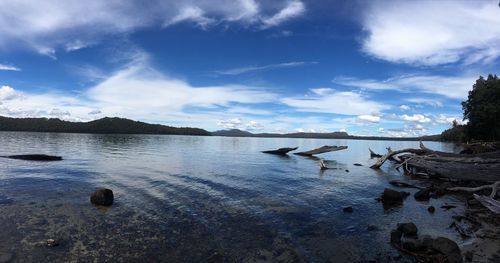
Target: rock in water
x,y
102,197
423,195
390,196
52,243
431,209
348,209
449,248
408,229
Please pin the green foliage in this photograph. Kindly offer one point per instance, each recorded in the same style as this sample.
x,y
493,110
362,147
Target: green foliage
x,y
458,133
482,109
104,125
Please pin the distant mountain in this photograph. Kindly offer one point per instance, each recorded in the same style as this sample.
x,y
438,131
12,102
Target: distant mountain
x,y
319,135
233,133
104,125
126,126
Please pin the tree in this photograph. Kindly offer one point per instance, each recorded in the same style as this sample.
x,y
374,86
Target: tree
x,y
482,109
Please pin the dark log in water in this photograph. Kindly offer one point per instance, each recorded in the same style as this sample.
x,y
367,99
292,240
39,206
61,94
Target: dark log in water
x,y
34,157
373,154
281,151
322,149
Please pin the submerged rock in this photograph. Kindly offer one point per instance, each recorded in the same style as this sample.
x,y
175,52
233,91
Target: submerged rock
x,y
449,248
102,197
348,209
6,257
390,196
215,258
408,229
52,243
396,236
423,195
431,209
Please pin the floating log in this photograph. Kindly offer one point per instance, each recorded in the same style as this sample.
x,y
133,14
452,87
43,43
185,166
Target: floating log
x,y
322,149
34,157
373,154
281,151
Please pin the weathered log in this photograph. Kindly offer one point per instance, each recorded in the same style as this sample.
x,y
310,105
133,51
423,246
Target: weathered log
x,y
494,189
322,149
490,203
34,157
281,151
390,154
461,168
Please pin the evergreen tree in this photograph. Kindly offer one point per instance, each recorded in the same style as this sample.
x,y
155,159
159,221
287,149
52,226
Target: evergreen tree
x,y
482,109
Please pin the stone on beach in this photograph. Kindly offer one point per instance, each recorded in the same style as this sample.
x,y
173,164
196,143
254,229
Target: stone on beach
x,y
102,197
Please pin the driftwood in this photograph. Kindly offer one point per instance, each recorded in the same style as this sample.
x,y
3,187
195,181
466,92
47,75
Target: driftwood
x,y
390,154
494,189
281,151
462,168
488,202
322,149
34,157
483,167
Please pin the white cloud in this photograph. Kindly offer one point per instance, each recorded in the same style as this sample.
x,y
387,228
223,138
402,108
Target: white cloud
x,y
415,118
46,26
238,71
8,93
455,87
192,14
426,101
294,8
237,123
404,107
331,101
369,118
9,68
433,32
415,130
444,119
138,89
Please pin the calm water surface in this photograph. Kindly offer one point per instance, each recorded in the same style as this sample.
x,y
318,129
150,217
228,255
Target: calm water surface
x,y
199,199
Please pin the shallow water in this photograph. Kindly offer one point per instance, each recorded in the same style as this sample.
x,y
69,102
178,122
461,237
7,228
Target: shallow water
x,y
193,199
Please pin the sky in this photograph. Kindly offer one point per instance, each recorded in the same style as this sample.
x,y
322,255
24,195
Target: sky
x,y
382,68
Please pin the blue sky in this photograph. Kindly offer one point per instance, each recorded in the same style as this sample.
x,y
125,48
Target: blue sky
x,y
386,68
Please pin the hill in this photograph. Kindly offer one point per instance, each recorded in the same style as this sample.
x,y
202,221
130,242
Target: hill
x,y
104,125
313,135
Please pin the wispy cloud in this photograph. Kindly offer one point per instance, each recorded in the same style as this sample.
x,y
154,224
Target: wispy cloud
x,y
9,68
331,101
243,70
433,32
47,26
454,87
294,8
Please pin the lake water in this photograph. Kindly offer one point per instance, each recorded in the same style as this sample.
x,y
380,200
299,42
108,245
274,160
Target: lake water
x,y
199,199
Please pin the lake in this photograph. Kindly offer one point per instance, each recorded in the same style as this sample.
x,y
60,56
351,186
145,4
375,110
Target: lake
x,y
199,199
